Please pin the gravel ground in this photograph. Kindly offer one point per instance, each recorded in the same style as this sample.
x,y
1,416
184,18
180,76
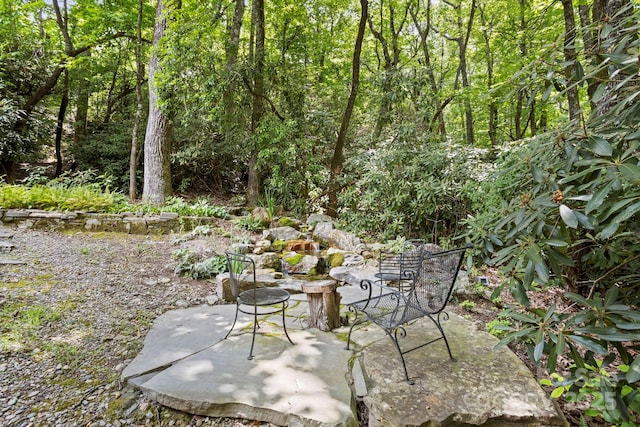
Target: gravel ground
x,y
74,310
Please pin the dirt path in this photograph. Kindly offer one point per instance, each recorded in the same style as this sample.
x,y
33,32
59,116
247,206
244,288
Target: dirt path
x,y
74,311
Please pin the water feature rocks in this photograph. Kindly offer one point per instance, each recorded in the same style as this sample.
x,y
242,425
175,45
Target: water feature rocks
x,y
267,260
283,233
315,218
261,215
326,234
296,263
261,246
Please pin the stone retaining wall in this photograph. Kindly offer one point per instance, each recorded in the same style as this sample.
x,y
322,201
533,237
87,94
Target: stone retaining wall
x,y
127,222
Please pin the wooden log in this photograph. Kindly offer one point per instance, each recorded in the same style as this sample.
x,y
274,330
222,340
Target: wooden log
x,y
324,304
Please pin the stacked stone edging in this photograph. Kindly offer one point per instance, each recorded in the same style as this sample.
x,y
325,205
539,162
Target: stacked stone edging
x,y
126,222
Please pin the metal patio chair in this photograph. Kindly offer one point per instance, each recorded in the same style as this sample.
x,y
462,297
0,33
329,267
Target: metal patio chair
x,y
255,300
401,269
392,309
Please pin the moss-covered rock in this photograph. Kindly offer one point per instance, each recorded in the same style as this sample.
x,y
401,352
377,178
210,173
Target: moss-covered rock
x,y
288,222
294,259
335,259
278,245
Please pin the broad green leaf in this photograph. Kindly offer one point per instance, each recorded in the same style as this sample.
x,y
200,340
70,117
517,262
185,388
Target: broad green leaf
x,y
578,298
633,374
627,314
556,243
520,295
615,208
568,216
599,92
580,174
547,93
630,171
609,230
588,343
513,336
533,253
627,213
495,239
576,356
560,344
583,220
595,330
559,257
598,198
620,337
528,273
611,297
628,326
557,392
497,291
579,71
521,317
543,271
537,351
601,146
538,174
549,312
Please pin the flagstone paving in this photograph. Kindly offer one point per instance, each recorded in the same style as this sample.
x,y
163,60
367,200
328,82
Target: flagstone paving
x,y
187,365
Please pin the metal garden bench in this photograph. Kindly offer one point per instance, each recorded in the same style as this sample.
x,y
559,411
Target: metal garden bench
x,y
425,295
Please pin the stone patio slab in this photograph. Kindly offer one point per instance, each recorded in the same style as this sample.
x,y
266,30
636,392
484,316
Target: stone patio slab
x,y
484,386
186,365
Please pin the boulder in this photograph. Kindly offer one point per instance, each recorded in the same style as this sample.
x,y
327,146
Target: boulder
x,y
296,263
326,234
267,260
283,233
261,215
314,219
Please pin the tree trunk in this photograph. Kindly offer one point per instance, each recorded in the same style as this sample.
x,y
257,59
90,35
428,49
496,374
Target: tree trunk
x,y
521,93
338,153
111,98
64,102
231,50
463,41
157,141
493,109
438,116
133,157
391,58
468,112
571,60
257,111
82,106
617,13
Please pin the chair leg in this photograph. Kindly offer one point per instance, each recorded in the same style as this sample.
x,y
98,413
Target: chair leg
x,y
444,337
284,323
355,322
394,338
233,324
253,337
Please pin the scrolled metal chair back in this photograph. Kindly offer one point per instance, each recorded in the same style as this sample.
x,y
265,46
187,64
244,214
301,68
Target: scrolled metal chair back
x,y
436,279
242,269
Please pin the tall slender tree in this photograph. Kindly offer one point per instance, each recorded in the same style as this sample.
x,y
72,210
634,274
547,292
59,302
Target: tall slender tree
x,y
391,49
338,152
133,156
462,75
424,30
570,59
158,137
257,108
